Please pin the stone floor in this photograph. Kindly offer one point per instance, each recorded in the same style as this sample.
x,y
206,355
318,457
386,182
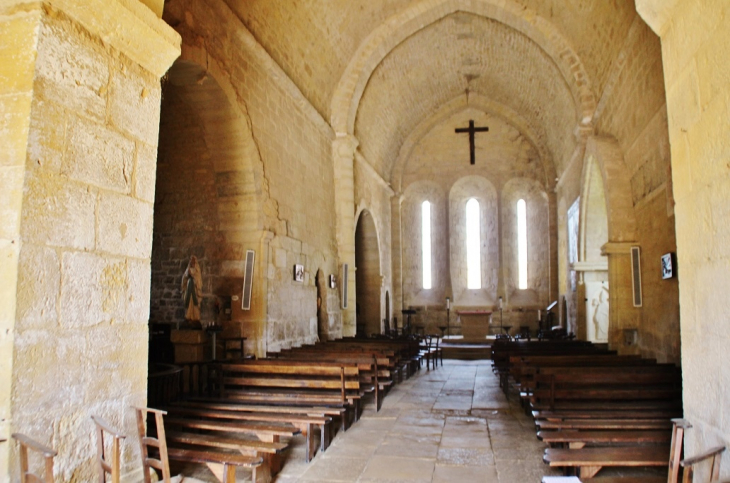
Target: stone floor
x,y
450,425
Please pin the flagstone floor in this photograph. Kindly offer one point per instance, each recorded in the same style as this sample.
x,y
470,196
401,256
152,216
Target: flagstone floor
x,y
448,425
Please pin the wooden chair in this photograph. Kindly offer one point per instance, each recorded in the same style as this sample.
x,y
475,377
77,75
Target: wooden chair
x,y
25,475
689,464
214,460
105,465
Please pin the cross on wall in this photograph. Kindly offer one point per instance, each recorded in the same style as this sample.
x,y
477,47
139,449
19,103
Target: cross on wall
x,y
471,130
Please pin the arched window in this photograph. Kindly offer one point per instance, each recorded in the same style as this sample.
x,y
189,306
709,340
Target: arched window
x,y
473,242
426,243
522,243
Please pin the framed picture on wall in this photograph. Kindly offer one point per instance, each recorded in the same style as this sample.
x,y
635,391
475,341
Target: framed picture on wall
x,y
667,266
299,273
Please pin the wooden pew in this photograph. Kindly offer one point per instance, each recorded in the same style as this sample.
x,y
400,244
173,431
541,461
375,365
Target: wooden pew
x,y
214,459
294,383
304,423
575,439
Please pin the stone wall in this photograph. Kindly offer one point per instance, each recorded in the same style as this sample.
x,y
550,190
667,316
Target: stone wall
x,y
694,44
290,161
508,168
87,157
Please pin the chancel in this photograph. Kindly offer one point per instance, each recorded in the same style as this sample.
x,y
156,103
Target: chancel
x,y
252,224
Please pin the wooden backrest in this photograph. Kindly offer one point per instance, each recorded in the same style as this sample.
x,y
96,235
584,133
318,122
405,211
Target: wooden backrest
x,y
105,464
160,443
27,443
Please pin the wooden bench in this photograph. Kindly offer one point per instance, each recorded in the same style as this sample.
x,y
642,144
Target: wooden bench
x,y
107,463
606,384
586,462
304,423
222,464
574,439
294,383
589,461
594,424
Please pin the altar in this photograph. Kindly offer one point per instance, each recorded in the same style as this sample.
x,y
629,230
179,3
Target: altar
x,y
475,324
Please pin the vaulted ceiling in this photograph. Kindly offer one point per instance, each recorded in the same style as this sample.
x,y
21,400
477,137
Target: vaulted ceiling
x,y
380,69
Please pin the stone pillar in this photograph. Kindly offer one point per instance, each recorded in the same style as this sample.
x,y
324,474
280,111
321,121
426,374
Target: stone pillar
x,y
343,154
622,315
396,250
79,117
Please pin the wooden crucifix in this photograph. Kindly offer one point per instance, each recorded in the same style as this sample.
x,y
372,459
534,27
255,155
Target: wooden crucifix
x,y
471,130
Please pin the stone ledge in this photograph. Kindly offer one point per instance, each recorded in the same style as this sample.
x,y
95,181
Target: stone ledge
x,y
126,25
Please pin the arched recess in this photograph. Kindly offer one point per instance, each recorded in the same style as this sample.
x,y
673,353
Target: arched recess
x,y
412,289
367,276
607,232
482,190
538,243
535,135
205,196
419,15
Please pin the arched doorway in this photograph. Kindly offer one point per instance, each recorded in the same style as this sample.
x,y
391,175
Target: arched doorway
x,y
201,200
592,265
367,276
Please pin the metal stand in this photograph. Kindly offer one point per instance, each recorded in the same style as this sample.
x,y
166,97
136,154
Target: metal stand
x,y
448,321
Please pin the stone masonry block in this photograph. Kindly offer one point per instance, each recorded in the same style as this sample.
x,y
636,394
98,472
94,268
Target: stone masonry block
x,y
138,292
94,289
135,104
125,226
99,156
46,143
39,282
71,69
56,212
17,52
145,173
280,258
11,198
14,112
9,273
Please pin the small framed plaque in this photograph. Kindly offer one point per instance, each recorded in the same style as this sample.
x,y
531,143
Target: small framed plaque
x,y
667,265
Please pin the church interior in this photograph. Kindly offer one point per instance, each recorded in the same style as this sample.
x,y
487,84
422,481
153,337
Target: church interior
x,y
351,168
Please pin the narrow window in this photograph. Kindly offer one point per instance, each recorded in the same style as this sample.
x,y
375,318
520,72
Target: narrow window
x,y
522,243
473,253
426,243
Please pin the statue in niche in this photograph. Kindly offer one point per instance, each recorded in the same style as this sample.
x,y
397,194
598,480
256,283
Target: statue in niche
x,y
192,290
600,314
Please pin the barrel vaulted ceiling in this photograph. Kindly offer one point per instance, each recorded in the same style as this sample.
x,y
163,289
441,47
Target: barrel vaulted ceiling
x,y
379,69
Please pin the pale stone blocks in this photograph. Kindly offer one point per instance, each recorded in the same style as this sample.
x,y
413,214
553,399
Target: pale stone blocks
x,y
145,172
99,156
39,283
11,198
71,71
134,104
14,113
18,37
62,213
124,226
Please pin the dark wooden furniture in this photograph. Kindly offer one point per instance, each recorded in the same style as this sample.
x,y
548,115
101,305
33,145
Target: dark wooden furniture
x,y
712,455
47,453
150,445
107,463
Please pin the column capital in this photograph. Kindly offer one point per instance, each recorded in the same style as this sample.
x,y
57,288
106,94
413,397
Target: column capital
x,y
129,26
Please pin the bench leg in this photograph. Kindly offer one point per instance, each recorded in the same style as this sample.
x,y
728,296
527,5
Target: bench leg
x,y
262,473
272,460
310,443
224,473
324,431
588,471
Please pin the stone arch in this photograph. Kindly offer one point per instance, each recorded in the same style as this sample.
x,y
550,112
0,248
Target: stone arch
x,y
485,193
532,133
368,279
410,215
205,204
538,242
396,29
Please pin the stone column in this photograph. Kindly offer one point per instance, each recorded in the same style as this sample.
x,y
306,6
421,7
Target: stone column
x,y
396,250
343,154
79,117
